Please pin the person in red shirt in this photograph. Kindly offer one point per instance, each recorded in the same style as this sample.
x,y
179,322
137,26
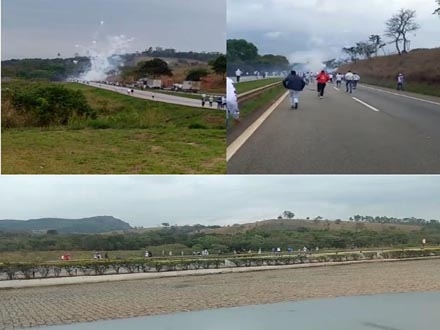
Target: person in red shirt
x,y
322,79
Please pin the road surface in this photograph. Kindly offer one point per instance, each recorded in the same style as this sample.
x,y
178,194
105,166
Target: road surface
x,y
159,97
372,131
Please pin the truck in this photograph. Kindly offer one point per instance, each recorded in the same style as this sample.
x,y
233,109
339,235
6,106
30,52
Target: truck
x,y
149,83
191,86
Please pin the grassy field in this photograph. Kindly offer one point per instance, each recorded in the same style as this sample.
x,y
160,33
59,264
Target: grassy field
x,y
250,85
264,100
420,68
129,135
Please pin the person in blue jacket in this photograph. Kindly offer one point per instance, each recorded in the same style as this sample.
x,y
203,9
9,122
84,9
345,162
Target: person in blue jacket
x,y
295,84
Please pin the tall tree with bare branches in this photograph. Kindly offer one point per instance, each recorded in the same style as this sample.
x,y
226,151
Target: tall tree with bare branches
x,y
399,26
437,11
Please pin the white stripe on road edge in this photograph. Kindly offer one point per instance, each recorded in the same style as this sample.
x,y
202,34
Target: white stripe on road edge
x,y
336,88
403,95
367,105
238,142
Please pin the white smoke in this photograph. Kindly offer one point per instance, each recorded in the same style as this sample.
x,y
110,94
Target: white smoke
x,y
105,58
312,60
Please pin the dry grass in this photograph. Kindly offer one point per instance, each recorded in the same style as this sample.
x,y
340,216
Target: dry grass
x,y
271,225
421,69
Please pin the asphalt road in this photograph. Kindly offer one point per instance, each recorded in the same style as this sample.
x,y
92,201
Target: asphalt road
x,y
159,97
372,131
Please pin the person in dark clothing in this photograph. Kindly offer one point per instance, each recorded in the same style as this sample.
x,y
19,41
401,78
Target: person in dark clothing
x,y
295,84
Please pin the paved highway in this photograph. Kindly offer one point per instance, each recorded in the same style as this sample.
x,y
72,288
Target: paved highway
x,y
372,131
159,97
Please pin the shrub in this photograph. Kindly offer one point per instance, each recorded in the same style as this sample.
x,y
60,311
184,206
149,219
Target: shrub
x,y
45,105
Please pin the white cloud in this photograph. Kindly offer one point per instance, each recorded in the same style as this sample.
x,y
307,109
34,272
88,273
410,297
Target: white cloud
x,y
323,26
273,35
150,200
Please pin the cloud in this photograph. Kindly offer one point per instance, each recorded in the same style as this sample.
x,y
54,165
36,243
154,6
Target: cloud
x,y
217,199
273,35
323,27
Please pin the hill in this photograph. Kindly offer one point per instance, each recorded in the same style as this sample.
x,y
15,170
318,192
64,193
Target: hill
x,y
420,67
93,225
299,225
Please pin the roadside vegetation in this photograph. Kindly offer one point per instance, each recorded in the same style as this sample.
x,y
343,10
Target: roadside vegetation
x,y
29,270
73,128
265,235
247,86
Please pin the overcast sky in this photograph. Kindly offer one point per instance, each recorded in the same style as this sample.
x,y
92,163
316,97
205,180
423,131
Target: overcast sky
x,y
225,199
317,30
43,28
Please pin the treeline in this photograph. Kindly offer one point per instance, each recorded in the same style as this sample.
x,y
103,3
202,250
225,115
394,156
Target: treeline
x,y
59,69
244,55
384,219
198,240
172,53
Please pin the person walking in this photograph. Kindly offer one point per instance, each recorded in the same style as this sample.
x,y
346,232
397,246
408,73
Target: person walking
x,y
338,79
356,79
322,80
400,81
211,100
349,81
232,109
295,84
238,74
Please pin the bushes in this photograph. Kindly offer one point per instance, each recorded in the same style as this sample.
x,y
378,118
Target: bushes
x,y
101,267
45,105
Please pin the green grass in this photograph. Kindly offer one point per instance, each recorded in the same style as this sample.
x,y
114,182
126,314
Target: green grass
x,y
149,151
263,100
129,135
250,85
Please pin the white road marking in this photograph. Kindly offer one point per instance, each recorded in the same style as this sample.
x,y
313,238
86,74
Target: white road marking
x,y
402,95
366,104
336,88
239,141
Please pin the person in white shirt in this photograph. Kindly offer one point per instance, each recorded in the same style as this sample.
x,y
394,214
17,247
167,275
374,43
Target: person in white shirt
x,y
349,81
231,100
356,79
238,74
400,81
338,79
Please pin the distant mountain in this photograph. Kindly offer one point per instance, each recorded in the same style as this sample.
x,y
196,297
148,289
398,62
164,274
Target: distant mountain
x,y
93,225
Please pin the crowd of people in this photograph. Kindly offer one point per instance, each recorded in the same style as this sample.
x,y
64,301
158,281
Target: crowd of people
x,y
295,83
220,100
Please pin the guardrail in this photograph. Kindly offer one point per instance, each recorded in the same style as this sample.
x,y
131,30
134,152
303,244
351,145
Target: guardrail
x,y
254,92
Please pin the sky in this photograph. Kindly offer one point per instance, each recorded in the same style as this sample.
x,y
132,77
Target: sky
x,y
317,30
149,201
44,28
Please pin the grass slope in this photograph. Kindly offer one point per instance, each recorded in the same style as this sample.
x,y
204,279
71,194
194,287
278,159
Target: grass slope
x,y
129,135
420,67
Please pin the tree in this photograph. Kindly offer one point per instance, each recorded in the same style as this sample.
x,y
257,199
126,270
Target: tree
x,y
288,214
165,224
437,11
399,25
219,65
154,67
196,74
241,50
52,232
